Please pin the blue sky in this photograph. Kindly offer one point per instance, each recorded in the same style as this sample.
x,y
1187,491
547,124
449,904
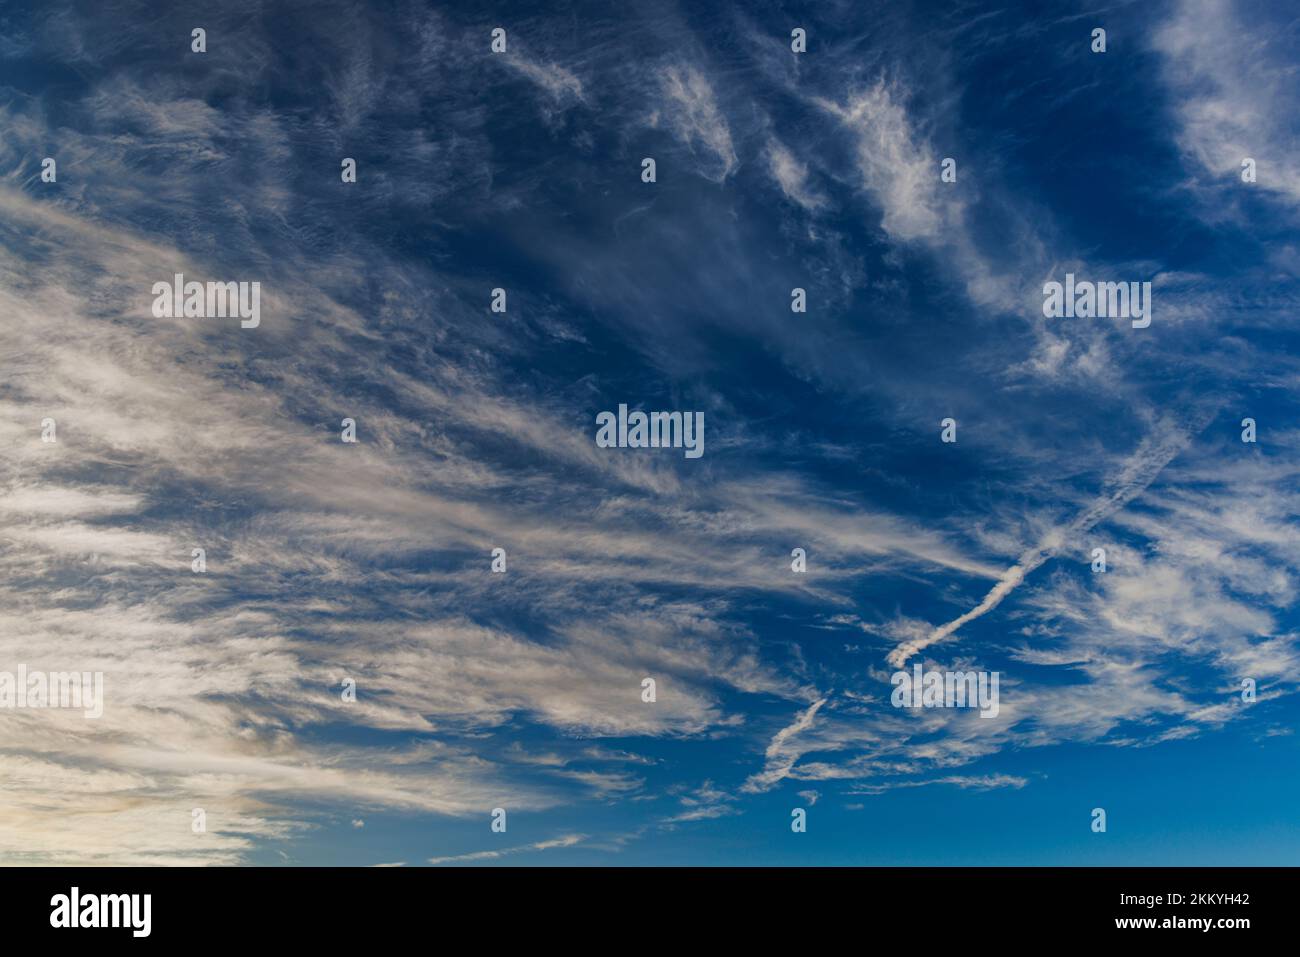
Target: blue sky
x,y
522,171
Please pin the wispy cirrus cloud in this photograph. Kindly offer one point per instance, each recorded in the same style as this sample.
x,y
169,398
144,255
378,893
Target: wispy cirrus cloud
x,y
568,840
1233,77
691,111
370,561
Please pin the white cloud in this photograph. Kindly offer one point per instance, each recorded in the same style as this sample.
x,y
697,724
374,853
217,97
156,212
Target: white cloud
x,y
558,82
691,111
895,164
1133,477
791,175
783,751
1234,92
568,840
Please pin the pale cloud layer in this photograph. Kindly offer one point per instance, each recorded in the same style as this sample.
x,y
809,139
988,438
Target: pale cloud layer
x,y
370,561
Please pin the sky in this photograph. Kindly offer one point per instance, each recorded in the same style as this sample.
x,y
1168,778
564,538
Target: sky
x,y
370,562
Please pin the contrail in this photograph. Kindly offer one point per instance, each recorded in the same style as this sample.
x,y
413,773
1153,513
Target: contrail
x,y
1137,474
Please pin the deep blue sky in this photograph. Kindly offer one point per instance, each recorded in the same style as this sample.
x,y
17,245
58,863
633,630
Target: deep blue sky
x,y
476,429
